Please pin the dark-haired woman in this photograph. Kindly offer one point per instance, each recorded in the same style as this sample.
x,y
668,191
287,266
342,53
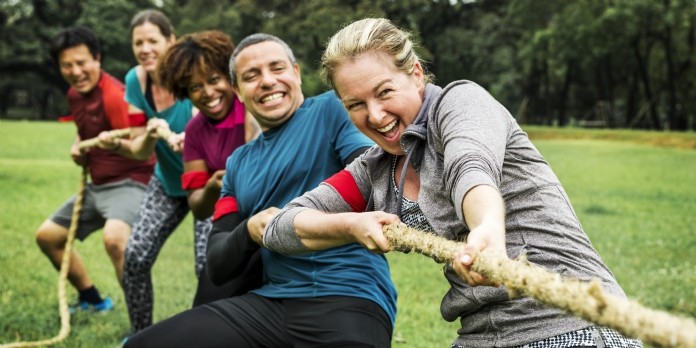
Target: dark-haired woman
x,y
195,68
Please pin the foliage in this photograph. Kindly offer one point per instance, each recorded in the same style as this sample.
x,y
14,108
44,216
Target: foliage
x,y
635,201
619,63
26,35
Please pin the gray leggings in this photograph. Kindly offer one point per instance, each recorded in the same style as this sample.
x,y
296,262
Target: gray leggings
x,y
159,215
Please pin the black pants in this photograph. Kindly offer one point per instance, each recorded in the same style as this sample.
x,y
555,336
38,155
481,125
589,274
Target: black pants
x,y
251,278
254,321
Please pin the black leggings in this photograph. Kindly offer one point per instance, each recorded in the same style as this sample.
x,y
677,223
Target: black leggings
x,y
254,321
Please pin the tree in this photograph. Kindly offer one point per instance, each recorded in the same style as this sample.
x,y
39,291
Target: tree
x,y
27,32
617,63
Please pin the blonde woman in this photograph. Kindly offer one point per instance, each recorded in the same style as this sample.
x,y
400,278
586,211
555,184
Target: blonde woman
x,y
451,161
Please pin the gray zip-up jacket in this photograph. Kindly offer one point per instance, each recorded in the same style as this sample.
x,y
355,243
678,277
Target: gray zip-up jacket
x,y
461,138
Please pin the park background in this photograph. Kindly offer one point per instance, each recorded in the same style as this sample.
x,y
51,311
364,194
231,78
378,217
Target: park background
x,y
600,63
560,67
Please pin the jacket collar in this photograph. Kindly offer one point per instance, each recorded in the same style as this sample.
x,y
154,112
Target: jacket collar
x,y
420,124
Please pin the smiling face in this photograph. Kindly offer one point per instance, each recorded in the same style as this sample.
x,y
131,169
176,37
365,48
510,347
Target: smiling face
x,y
268,83
381,100
211,93
148,44
79,68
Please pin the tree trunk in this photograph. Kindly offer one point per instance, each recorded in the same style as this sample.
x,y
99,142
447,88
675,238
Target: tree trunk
x,y
4,100
611,85
666,38
563,97
631,100
654,121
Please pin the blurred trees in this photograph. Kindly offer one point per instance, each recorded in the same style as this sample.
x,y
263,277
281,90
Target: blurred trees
x,y
605,63
26,28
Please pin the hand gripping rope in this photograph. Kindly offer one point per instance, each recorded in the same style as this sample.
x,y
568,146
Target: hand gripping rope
x,y
120,133
117,133
586,300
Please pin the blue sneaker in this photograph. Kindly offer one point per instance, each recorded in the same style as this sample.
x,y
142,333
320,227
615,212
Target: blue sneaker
x,y
102,307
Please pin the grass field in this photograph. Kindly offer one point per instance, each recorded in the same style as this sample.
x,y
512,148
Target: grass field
x,y
634,192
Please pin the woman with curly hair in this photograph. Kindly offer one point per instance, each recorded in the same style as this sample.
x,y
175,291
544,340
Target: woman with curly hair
x,y
195,68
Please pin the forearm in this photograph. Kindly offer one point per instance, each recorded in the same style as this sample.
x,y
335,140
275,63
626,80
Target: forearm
x,y
229,248
329,221
484,213
484,209
202,202
126,145
318,230
141,147
301,230
124,148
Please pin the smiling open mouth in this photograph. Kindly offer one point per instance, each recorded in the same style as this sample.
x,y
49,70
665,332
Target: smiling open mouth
x,y
272,97
387,127
213,103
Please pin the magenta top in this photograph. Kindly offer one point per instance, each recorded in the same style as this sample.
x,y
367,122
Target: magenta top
x,y
214,141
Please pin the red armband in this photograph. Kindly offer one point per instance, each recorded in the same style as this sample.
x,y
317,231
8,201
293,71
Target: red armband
x,y
137,120
344,183
224,206
66,118
194,180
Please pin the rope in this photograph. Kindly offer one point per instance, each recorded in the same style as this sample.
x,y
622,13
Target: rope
x,y
120,133
65,263
116,133
586,300
62,278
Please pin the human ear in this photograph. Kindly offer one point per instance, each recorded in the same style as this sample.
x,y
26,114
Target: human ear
x,y
236,92
418,72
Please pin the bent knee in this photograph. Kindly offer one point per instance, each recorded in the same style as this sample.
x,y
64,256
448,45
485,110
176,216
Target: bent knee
x,y
115,245
51,235
116,234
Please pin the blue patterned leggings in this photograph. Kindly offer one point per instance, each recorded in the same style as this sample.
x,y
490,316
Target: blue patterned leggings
x,y
159,215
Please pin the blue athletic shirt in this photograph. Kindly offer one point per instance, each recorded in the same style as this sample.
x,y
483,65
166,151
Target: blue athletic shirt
x,y
283,163
169,165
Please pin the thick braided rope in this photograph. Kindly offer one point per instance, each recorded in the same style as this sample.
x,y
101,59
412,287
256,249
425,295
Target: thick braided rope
x,y
62,278
116,133
120,133
586,300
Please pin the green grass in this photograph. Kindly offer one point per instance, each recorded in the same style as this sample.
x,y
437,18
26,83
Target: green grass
x,y
635,200
637,204
36,176
684,140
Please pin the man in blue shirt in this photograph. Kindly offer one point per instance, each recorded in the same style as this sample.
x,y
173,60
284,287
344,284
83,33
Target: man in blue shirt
x,y
340,297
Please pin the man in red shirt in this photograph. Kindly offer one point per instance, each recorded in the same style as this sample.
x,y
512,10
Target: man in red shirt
x,y
118,184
